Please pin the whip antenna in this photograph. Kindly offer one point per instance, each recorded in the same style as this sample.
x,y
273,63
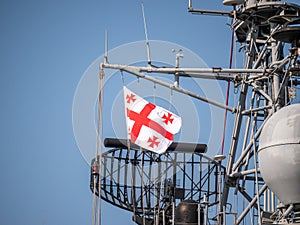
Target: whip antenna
x,y
146,35
106,47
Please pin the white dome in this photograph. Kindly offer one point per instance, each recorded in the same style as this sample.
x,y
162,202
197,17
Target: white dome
x,y
279,154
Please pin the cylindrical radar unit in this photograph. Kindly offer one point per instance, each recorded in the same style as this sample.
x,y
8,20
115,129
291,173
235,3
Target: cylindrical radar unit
x,y
279,154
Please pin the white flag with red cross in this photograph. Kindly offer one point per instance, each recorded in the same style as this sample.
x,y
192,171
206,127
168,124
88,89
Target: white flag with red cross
x,y
149,126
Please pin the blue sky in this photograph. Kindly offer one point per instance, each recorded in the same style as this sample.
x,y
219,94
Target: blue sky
x,y
46,46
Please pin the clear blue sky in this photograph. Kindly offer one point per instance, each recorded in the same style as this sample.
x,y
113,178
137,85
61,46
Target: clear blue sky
x,y
45,48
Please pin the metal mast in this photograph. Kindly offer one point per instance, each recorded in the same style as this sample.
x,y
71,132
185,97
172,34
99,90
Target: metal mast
x,y
270,38
263,27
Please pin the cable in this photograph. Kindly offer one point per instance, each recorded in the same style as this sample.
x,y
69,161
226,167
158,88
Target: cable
x,y
170,99
228,91
143,187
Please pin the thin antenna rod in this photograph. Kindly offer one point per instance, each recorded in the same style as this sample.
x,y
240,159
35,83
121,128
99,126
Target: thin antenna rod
x,y
146,35
190,4
106,47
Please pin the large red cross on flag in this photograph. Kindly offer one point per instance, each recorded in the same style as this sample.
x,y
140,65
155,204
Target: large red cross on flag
x,y
148,125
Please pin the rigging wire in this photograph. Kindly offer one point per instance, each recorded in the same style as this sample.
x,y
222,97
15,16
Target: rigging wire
x,y
228,91
143,188
170,99
128,157
142,178
138,84
255,167
155,200
154,93
94,203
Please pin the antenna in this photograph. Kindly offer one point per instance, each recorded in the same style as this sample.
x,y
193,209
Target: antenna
x,y
179,54
146,35
190,4
106,47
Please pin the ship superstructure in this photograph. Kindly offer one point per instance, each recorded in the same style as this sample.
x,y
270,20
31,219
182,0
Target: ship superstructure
x,y
262,165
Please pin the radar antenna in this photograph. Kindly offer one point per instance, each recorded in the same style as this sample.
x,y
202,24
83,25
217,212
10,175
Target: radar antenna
x,y
262,158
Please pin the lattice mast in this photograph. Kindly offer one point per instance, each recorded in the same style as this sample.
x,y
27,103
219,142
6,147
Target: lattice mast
x,y
270,39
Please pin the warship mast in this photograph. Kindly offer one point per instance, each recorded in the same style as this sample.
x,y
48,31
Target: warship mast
x,y
263,163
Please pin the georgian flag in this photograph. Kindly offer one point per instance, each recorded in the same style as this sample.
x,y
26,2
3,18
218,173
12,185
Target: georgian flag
x,y
149,126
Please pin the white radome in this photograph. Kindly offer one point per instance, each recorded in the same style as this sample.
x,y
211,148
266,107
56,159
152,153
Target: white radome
x,y
279,154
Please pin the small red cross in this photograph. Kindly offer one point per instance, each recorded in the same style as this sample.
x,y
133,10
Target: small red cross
x,y
167,118
130,98
152,142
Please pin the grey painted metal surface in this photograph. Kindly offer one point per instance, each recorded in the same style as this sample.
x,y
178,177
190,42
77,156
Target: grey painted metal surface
x,y
279,154
263,86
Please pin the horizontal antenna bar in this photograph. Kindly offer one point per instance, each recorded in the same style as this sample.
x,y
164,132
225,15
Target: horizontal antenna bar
x,y
210,76
174,147
199,70
186,71
135,70
210,12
